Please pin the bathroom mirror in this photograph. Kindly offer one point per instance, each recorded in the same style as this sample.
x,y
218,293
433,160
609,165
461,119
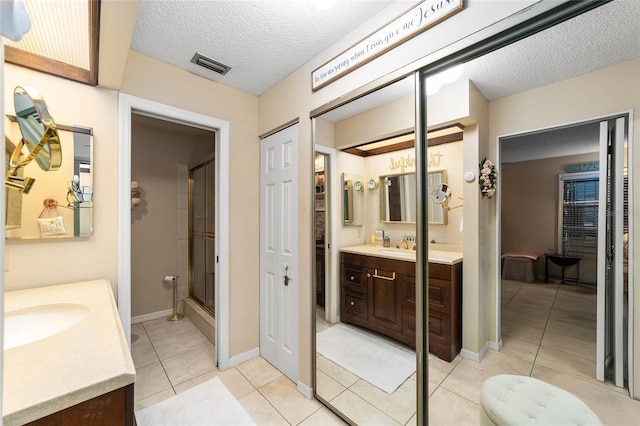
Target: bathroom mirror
x,y
435,213
73,197
352,199
398,198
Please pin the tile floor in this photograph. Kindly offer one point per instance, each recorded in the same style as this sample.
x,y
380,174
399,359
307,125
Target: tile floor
x,y
171,357
548,333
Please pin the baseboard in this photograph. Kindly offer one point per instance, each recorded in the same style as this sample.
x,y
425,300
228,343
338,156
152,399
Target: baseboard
x,y
151,316
242,357
475,356
305,390
496,346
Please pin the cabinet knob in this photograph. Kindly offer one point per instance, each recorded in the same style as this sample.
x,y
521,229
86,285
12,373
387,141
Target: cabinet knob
x,y
352,303
368,275
352,277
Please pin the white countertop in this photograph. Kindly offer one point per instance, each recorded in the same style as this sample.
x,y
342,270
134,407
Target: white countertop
x,y
435,256
86,360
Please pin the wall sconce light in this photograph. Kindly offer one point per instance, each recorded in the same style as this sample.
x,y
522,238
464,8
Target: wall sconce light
x,y
135,194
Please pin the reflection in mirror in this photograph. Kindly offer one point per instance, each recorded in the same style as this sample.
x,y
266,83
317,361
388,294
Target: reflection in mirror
x,y
70,186
343,306
38,134
352,199
435,213
398,198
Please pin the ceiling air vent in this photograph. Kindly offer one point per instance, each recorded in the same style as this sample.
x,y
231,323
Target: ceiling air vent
x,y
203,61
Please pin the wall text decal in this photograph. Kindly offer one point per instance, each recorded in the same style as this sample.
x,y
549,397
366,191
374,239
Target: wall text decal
x,y
416,20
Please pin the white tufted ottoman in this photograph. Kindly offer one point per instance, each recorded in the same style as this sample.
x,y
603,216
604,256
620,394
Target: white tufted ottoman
x,y
519,400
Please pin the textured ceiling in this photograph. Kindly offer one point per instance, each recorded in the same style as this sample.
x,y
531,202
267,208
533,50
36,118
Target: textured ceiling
x,y
262,41
605,36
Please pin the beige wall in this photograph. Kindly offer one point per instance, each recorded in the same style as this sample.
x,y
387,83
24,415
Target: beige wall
x,y
36,264
154,80
530,208
155,241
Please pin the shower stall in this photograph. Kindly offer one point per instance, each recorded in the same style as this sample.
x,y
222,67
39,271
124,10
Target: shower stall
x,y
202,255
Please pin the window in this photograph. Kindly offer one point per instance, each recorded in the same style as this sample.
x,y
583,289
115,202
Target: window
x,y
579,214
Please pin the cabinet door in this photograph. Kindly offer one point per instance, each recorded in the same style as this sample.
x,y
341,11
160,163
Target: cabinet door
x,y
384,299
408,298
439,295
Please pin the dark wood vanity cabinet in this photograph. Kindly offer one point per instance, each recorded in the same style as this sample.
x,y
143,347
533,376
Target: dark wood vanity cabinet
x,y
380,294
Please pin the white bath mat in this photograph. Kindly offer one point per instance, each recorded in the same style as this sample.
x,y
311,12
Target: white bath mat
x,y
209,403
374,360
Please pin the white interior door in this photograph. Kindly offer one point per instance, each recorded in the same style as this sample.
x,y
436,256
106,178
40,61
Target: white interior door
x,y
610,299
279,278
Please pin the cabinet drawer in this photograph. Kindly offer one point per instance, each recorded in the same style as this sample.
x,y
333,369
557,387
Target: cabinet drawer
x,y
438,270
354,277
439,295
354,304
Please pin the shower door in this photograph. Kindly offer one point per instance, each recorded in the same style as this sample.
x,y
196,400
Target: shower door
x,y
202,254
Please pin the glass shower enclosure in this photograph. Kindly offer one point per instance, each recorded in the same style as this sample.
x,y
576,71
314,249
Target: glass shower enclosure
x,y
202,256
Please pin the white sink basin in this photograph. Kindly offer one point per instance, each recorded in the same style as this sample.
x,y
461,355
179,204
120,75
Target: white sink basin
x,y
27,326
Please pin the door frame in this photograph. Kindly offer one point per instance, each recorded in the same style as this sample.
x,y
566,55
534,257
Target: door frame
x,y
498,230
332,211
127,105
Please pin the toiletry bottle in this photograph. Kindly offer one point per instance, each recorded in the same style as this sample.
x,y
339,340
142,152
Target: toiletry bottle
x,y
387,240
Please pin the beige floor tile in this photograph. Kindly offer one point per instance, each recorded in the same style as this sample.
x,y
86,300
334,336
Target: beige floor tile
x,y
326,387
138,335
169,346
261,411
400,406
150,380
612,405
323,417
466,382
447,409
342,376
143,354
235,382
572,330
360,411
432,387
570,318
495,362
530,320
189,365
160,327
521,331
571,345
519,348
440,369
565,362
291,404
154,399
258,371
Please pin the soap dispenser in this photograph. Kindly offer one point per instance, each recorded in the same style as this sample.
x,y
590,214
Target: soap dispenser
x,y
386,242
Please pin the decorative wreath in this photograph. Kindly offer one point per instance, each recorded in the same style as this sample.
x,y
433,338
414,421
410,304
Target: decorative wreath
x,y
488,178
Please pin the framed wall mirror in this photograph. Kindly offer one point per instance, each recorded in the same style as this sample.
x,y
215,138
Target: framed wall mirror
x,y
398,198
66,192
352,199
